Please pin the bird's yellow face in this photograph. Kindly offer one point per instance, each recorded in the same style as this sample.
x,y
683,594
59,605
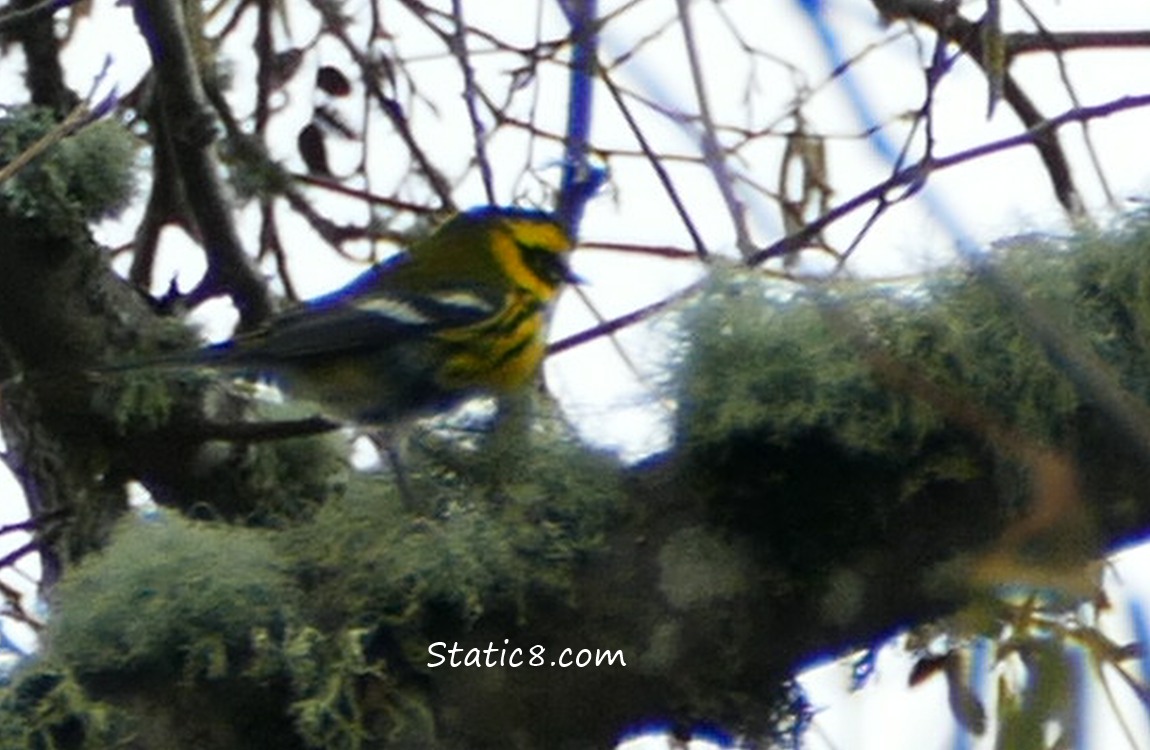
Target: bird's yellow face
x,y
532,251
500,248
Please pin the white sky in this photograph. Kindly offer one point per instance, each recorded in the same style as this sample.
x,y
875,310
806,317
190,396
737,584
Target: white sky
x,y
1003,195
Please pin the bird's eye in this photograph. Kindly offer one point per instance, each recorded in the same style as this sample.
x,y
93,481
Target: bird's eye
x,y
548,265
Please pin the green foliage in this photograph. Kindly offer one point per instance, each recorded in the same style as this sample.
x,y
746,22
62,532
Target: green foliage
x,y
320,621
490,530
817,418
757,360
253,172
89,174
328,714
785,432
1099,287
135,400
1053,686
170,597
332,711
44,707
790,361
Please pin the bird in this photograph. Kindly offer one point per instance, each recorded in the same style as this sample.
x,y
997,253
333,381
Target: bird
x,y
460,313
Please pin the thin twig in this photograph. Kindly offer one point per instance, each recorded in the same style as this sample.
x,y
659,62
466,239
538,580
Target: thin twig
x,y
251,432
615,324
58,133
939,65
389,106
1064,74
20,552
620,350
925,167
1022,42
368,197
713,156
656,164
458,46
945,20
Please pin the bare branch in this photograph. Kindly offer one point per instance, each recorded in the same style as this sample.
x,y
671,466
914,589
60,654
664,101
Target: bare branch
x,y
656,164
458,46
189,126
919,171
713,155
944,19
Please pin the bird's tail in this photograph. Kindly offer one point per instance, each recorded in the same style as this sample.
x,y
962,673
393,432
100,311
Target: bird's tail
x,y
211,357
218,355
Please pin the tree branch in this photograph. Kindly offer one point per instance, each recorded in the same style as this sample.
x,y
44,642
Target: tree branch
x,y
916,172
188,120
947,23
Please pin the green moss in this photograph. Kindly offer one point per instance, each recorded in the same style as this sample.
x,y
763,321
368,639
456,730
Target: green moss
x,y
253,173
44,707
483,532
488,530
790,360
810,417
136,400
347,699
169,596
88,174
756,360
263,483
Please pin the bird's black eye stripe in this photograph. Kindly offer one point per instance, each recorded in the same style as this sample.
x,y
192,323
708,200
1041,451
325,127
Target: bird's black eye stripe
x,y
547,265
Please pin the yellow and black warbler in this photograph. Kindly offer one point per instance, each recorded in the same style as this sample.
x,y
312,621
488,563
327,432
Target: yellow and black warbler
x,y
461,312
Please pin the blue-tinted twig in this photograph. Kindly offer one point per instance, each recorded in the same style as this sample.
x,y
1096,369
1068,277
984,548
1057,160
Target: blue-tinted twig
x,y
581,179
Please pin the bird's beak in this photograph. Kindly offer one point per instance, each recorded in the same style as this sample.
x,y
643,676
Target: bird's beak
x,y
568,275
